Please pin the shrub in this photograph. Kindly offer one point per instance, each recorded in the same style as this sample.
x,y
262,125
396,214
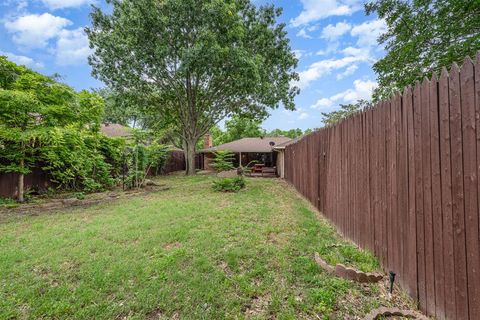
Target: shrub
x,y
75,161
223,161
229,184
140,159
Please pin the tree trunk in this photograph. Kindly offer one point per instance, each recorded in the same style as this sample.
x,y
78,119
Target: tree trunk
x,y
21,179
190,157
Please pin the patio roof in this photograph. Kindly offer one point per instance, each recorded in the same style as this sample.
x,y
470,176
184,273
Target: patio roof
x,y
260,145
281,146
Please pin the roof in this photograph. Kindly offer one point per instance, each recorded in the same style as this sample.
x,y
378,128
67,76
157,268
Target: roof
x,y
114,130
250,145
282,146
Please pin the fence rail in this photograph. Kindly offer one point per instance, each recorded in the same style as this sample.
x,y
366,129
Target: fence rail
x,y
401,179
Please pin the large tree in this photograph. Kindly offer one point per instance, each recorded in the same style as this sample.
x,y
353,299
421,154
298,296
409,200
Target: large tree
x,y
243,127
198,61
422,37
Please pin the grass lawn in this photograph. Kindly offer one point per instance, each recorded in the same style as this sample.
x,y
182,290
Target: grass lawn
x,y
184,253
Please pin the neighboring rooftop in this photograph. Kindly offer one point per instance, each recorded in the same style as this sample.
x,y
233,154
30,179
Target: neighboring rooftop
x,y
264,144
114,130
282,146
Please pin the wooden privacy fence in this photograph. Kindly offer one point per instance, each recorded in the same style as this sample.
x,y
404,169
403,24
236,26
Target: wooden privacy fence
x,y
37,179
40,180
175,162
401,179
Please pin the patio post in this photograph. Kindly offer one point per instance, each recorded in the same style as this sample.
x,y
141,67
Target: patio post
x,y
240,158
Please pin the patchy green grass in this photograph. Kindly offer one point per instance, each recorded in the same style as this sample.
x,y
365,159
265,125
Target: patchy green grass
x,y
8,203
184,253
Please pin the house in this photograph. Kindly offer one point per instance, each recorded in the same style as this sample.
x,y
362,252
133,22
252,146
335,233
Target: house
x,y
261,150
280,151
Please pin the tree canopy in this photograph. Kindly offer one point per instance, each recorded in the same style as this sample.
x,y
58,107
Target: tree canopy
x,y
422,37
44,123
239,127
345,111
196,62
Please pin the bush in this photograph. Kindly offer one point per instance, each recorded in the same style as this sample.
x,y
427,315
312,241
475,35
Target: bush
x,y
75,161
223,161
229,184
141,159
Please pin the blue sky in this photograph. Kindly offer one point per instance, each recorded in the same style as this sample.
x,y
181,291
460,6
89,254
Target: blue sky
x,y
334,40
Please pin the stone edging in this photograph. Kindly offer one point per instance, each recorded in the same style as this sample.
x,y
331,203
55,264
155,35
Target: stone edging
x,y
389,312
348,273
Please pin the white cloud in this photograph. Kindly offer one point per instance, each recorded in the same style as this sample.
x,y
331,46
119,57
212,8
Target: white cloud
x,y
303,116
325,67
332,47
300,114
302,53
72,47
314,10
61,4
361,90
22,60
356,52
368,32
322,103
303,34
348,72
34,30
333,32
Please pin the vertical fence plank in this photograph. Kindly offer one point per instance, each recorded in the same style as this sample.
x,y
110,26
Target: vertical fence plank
x,y
436,200
467,82
458,195
376,183
389,183
412,221
371,218
417,103
384,180
427,198
402,186
477,126
446,190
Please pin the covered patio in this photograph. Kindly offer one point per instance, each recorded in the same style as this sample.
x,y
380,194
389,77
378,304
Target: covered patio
x,y
256,153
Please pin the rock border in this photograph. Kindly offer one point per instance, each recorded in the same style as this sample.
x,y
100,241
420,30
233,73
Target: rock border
x,y
394,312
348,273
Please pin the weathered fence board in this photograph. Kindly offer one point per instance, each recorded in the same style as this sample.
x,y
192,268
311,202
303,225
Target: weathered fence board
x,y
39,180
402,179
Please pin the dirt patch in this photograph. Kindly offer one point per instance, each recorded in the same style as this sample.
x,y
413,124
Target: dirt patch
x,y
273,237
226,269
358,301
172,246
258,306
399,298
394,313
155,314
62,202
